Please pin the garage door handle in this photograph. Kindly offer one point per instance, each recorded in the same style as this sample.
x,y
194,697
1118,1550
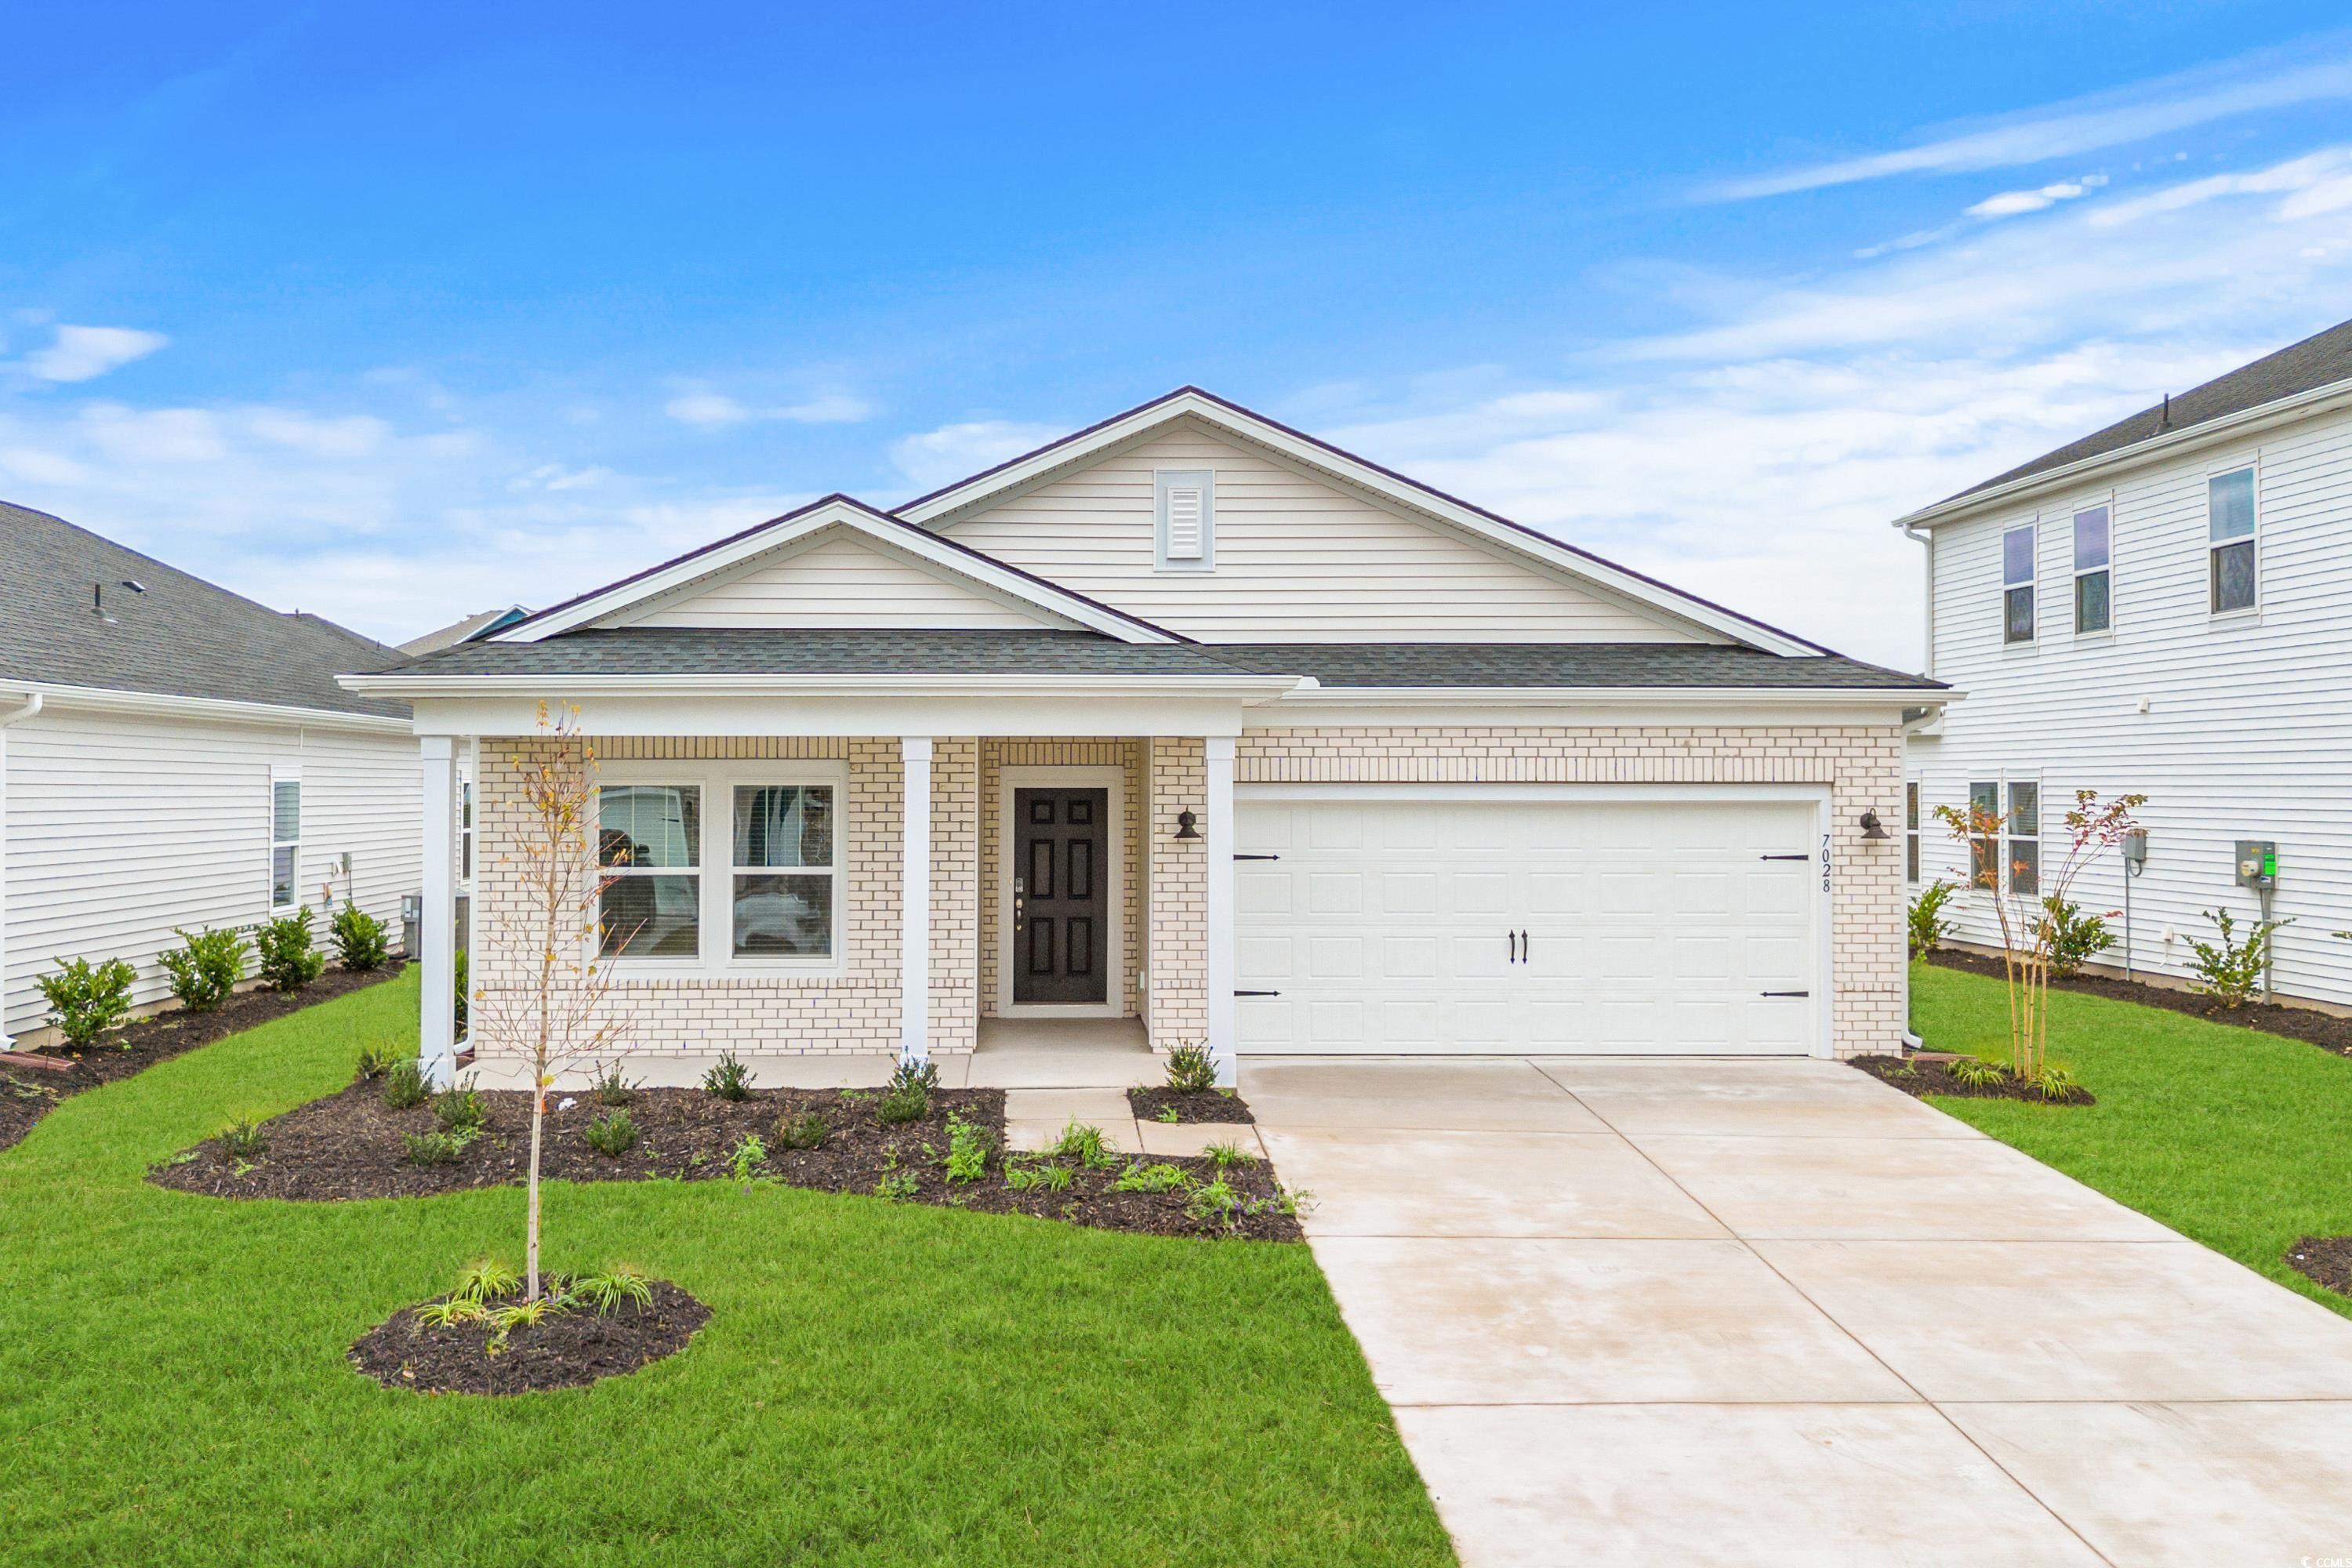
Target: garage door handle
x,y
1788,994
1784,857
1258,993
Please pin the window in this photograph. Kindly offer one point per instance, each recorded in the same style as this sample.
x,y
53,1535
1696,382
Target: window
x,y
2230,532
780,912
649,842
1911,830
2094,587
464,830
2024,826
1984,849
284,840
1184,504
2017,585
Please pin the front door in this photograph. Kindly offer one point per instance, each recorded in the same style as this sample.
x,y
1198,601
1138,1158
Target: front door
x,y
1059,905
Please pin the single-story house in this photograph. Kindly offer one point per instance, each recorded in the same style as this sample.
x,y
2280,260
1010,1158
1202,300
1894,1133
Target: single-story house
x,y
172,754
1211,726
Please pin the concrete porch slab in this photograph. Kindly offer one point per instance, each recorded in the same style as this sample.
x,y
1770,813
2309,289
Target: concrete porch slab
x,y
1187,1139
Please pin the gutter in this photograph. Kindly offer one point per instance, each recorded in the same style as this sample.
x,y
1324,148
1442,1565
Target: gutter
x,y
106,699
1618,696
1260,688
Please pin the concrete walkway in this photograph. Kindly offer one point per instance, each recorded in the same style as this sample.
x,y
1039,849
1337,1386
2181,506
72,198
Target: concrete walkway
x,y
1702,1311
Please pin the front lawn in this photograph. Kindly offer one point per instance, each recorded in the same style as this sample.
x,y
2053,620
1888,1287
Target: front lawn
x,y
2240,1140
879,1383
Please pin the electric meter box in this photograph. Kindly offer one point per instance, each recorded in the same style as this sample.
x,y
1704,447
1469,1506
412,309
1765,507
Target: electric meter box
x,y
2257,863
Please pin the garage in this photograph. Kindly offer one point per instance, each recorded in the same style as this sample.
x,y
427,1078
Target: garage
x,y
1476,920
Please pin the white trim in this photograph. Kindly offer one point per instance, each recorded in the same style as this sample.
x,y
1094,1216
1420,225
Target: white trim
x,y
2096,501
2252,468
1313,693
105,700
833,513
937,510
1108,776
1238,685
283,774
2030,587
437,1034
29,707
1218,828
915,754
1165,556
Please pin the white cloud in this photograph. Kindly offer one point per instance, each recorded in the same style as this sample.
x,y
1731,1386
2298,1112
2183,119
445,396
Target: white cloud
x,y
718,409
2010,204
707,408
85,354
950,453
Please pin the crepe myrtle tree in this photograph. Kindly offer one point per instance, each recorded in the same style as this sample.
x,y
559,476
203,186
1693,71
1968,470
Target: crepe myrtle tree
x,y
543,995
2027,931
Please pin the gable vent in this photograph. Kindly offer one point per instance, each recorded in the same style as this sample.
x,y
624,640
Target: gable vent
x,y
1183,522
1186,504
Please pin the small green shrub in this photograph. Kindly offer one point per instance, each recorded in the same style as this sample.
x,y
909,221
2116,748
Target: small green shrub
x,y
449,1314
403,1084
206,966
612,1089
731,1079
1085,1145
288,961
1161,1177
1224,1156
908,1096
807,1130
464,996
2071,937
87,999
750,1158
1215,1203
1165,1113
459,1110
434,1148
1928,926
361,944
2056,1083
1977,1073
516,1315
487,1280
244,1140
2230,971
1190,1069
613,1134
604,1292
897,1186
968,1149
376,1061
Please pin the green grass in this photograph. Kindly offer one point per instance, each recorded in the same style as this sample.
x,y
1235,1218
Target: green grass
x,y
2240,1140
879,1383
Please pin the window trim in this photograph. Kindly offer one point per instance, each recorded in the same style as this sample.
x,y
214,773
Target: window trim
x,y
2251,466
765,774
1993,846
1912,792
285,774
1162,481
2105,503
2030,587
2009,836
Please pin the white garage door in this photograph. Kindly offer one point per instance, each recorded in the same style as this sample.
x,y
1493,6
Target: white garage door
x,y
1561,926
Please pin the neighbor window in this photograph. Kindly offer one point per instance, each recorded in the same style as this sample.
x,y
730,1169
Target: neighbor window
x,y
1984,848
464,830
649,843
285,841
2024,826
2230,532
1911,831
2017,585
2094,585
787,870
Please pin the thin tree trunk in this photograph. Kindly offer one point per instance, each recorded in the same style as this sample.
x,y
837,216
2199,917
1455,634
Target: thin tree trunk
x,y
538,1116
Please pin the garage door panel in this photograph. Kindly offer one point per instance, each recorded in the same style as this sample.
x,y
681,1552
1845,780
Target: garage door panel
x,y
1407,892
1261,893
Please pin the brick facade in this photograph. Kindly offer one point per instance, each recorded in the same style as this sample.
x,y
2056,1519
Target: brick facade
x,y
1180,897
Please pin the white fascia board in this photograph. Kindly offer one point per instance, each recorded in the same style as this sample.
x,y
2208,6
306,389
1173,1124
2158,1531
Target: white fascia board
x,y
159,705
2319,400
935,510
876,526
606,711
1239,687
1446,707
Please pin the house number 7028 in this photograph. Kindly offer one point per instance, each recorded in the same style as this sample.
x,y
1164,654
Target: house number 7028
x,y
1825,862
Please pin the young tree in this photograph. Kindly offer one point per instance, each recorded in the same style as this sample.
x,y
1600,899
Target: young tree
x,y
541,994
2027,931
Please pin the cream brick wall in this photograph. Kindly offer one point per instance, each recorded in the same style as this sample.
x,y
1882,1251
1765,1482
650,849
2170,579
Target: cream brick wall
x,y
1862,766
1108,750
1179,1011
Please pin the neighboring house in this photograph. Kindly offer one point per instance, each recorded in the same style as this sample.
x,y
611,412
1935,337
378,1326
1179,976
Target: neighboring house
x,y
1219,729
479,623
171,755
2160,608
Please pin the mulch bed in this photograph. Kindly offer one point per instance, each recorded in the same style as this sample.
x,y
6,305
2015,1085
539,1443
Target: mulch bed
x,y
564,1351
2325,1260
2325,1030
30,1092
1208,1105
350,1146
1918,1076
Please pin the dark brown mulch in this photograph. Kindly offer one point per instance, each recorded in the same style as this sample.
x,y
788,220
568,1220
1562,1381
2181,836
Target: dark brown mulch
x,y
143,1042
2325,1260
1209,1105
2325,1030
564,1351
350,1146
1917,1076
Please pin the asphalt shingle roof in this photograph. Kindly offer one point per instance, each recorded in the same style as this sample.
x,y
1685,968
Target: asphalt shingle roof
x,y
183,637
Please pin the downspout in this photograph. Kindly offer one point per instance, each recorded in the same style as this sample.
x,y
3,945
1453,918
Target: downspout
x,y
1912,1042
25,709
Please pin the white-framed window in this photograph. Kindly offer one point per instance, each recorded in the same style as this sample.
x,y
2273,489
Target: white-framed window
x,y
1984,849
2022,826
2234,567
785,861
649,843
285,838
2094,570
465,830
1911,830
1184,519
2017,554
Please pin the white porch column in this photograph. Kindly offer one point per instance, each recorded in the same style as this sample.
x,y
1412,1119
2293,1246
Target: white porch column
x,y
1218,809
914,901
436,930
23,710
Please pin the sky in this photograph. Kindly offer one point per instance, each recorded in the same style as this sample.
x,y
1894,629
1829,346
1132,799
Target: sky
x,y
394,313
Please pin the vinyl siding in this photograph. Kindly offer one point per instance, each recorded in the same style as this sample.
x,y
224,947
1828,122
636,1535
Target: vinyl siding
x,y
1296,559
2248,728
120,828
840,580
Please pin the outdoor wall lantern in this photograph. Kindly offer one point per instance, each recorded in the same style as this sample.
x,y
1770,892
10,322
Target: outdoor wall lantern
x,y
1871,828
1186,826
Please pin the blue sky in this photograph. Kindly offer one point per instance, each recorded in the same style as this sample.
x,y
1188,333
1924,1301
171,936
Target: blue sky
x,y
398,312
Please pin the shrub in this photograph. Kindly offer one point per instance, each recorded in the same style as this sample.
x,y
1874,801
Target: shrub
x,y
968,1149
403,1084
897,1186
1977,1073
2072,937
1928,926
376,1061
244,1140
908,1096
613,1134
1085,1144
612,1089
288,960
360,942
1224,1156
434,1148
2055,1082
206,967
87,999
2231,970
1190,1069
487,1280
449,1314
1162,1177
805,1130
750,1158
459,1110
606,1291
731,1079
1215,1203
458,963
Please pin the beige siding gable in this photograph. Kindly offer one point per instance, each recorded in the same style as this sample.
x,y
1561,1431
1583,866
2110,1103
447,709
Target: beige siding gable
x,y
1298,558
839,579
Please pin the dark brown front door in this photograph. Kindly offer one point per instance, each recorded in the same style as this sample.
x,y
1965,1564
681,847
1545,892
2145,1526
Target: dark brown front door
x,y
1059,840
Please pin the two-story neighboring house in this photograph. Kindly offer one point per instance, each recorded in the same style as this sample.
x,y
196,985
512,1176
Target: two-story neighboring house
x,y
2163,607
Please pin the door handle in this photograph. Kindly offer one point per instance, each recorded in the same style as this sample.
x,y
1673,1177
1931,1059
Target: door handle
x,y
1020,902
1523,947
1510,947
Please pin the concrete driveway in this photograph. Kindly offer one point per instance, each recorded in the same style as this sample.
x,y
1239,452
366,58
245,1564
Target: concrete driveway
x,y
1705,1310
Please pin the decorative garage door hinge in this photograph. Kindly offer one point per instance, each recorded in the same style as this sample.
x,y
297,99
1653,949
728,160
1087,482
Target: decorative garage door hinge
x,y
1258,993
1788,994
1784,857
1257,857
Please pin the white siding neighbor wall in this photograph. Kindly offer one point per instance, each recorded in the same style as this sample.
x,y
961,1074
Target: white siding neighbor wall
x,y
1294,559
2236,726
121,827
